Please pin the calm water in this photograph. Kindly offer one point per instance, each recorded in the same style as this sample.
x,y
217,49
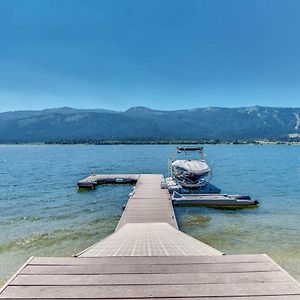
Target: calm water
x,y
42,213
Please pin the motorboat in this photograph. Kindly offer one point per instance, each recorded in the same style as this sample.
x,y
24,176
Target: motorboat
x,y
190,172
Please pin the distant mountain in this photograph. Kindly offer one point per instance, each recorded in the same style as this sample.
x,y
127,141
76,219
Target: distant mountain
x,y
247,123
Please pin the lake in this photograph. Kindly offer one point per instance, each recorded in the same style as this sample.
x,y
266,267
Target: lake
x,y
43,214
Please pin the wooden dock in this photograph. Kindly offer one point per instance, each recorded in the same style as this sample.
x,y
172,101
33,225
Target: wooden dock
x,y
147,257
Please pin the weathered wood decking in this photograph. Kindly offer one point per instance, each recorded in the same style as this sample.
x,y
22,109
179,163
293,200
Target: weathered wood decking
x,y
198,277
147,257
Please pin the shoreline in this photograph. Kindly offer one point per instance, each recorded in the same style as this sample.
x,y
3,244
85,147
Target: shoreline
x,y
179,142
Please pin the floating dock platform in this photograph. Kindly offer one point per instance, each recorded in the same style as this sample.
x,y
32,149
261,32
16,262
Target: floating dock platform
x,y
213,200
96,179
148,257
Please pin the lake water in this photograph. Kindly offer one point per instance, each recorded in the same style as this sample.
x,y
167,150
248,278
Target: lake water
x,y
43,214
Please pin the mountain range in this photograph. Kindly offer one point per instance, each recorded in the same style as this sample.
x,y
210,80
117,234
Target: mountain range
x,y
142,123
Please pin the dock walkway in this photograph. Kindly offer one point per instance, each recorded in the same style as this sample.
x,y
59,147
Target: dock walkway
x,y
149,203
147,257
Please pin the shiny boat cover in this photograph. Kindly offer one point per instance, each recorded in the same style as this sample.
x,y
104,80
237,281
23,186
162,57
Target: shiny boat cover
x,y
196,167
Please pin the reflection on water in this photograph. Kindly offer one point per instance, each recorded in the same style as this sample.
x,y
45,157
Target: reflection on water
x,y
42,213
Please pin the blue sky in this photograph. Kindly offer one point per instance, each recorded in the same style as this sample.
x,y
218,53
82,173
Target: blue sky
x,y
161,54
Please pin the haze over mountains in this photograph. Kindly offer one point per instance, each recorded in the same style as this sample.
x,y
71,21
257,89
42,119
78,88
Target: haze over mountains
x,y
141,123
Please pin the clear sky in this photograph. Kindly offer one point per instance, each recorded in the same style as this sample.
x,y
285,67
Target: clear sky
x,y
164,54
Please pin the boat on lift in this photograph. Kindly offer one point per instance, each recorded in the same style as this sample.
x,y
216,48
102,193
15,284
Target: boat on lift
x,y
190,172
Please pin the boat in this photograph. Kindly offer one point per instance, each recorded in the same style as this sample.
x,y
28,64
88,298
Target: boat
x,y
190,172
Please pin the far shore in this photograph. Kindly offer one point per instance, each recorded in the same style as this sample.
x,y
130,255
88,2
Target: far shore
x,y
155,142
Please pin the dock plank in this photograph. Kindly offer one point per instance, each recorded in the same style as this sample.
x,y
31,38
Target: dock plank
x,y
162,260
152,291
151,279
154,269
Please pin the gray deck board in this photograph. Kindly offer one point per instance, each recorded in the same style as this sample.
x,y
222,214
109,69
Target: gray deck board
x,y
152,291
151,279
154,269
165,260
274,297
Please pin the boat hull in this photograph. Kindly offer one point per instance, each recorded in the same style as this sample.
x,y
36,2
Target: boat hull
x,y
190,174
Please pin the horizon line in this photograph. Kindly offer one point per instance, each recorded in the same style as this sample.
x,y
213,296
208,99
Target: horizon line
x,y
147,108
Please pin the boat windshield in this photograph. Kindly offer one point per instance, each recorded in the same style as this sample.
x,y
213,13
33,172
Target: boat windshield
x,y
189,153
